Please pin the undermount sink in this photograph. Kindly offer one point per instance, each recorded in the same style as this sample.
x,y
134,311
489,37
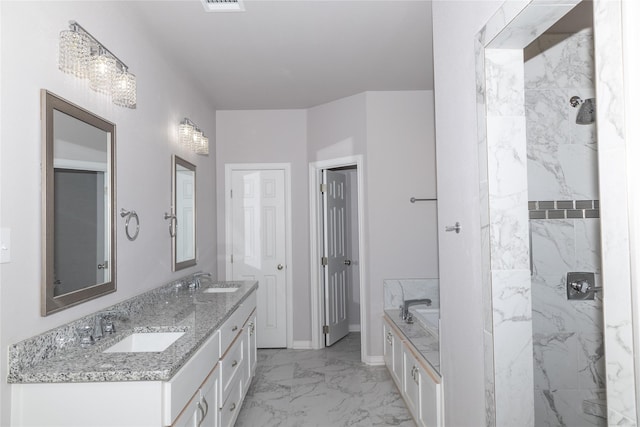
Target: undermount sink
x,y
219,290
140,342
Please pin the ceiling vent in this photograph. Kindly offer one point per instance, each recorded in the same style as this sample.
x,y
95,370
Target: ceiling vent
x,y
223,5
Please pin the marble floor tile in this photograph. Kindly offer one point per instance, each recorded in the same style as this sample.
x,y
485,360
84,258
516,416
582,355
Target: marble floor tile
x,y
328,387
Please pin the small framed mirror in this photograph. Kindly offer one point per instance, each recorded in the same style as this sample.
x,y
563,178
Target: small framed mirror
x,y
183,186
78,198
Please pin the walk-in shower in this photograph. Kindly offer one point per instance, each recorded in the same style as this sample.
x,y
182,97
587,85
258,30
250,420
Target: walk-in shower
x,y
587,112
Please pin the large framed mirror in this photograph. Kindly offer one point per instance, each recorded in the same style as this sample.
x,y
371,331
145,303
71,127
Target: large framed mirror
x,y
183,190
78,205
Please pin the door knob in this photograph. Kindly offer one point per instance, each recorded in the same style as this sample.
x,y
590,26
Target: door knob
x,y
280,266
347,262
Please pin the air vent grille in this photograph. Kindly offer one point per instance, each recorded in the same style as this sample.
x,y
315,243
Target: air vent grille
x,y
223,5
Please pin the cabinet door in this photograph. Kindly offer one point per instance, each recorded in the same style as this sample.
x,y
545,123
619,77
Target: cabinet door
x,y
411,383
398,361
191,415
388,345
430,400
209,400
393,353
251,349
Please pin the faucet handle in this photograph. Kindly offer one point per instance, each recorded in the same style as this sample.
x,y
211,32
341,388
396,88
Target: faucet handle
x,y
108,327
86,338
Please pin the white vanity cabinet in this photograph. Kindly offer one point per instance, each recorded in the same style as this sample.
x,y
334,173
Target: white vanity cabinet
x,y
207,391
393,352
419,384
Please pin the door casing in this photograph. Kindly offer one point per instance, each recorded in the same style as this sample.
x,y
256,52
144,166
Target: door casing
x,y
286,167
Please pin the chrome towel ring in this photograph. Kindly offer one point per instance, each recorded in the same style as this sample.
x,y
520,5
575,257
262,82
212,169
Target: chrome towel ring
x,y
130,214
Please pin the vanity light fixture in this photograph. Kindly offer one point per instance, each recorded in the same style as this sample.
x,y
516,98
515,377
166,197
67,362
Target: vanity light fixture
x,y
83,56
191,137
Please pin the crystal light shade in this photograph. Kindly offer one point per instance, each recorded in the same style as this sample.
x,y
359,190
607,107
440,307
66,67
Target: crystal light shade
x,y
74,53
123,90
185,133
203,148
196,140
102,71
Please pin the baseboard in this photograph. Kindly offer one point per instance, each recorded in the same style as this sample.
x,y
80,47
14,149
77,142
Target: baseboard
x,y
302,345
374,360
354,328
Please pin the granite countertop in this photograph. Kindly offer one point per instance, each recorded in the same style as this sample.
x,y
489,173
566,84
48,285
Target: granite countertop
x,y
56,355
427,344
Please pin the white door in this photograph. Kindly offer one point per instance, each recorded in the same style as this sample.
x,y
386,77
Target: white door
x,y
259,247
335,252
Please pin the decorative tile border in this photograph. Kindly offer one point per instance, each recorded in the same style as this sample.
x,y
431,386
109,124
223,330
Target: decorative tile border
x,y
564,209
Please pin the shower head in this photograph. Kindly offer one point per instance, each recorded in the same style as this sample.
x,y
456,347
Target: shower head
x,y
587,112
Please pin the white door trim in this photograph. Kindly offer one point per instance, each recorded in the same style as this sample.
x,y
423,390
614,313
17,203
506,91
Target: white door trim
x,y
317,302
286,167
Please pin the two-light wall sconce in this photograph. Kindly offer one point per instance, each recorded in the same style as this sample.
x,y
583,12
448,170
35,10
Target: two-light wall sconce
x,y
83,56
192,138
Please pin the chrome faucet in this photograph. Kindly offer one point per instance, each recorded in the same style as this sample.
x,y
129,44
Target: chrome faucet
x,y
104,325
195,283
404,309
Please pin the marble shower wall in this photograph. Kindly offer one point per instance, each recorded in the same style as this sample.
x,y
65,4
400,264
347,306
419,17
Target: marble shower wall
x,y
514,26
568,345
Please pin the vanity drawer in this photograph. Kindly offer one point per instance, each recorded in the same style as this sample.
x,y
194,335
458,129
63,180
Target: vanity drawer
x,y
232,365
233,324
231,407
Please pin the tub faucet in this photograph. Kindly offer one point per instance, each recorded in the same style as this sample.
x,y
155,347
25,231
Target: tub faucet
x,y
408,303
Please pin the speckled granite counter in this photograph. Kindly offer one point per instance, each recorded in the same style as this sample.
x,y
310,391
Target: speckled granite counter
x,y
427,344
56,356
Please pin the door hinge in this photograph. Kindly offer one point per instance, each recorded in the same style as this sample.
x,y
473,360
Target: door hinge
x,y
325,329
324,260
231,258
323,188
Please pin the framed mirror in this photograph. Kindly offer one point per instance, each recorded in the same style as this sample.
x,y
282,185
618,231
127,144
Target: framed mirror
x,y
183,190
78,205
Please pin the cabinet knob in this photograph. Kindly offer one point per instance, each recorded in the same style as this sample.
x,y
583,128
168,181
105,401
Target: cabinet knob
x,y
234,363
233,407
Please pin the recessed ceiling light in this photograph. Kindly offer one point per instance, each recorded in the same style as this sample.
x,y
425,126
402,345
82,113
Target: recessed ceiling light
x,y
223,5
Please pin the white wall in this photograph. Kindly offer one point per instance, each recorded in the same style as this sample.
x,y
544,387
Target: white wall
x,y
337,129
271,136
400,164
397,128
145,142
455,25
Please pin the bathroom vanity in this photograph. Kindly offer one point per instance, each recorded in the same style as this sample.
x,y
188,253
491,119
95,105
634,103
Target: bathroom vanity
x,y
129,378
412,349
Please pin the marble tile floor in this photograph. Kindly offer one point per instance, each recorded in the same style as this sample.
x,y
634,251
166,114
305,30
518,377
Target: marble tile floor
x,y
328,387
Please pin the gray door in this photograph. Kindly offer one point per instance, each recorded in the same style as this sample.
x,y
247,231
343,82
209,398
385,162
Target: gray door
x,y
335,253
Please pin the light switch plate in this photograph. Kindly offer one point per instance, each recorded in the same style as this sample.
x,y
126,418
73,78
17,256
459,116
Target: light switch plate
x,y
5,245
